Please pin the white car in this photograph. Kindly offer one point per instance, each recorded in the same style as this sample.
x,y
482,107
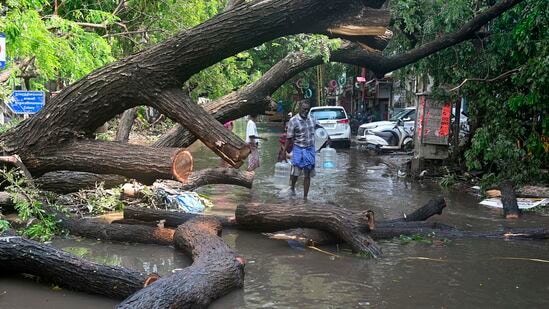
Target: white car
x,y
407,115
336,122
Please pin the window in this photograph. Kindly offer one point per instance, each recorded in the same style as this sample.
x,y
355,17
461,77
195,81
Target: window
x,y
328,114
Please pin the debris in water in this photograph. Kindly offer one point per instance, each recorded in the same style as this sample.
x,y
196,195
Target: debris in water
x,y
422,258
522,259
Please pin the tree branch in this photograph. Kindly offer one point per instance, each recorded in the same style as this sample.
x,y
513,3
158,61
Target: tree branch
x,y
388,64
19,64
488,80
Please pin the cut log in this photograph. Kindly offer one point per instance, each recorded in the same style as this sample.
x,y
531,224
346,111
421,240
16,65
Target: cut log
x,y
507,233
71,181
509,200
212,176
115,232
216,271
144,164
170,218
433,207
346,225
61,268
125,125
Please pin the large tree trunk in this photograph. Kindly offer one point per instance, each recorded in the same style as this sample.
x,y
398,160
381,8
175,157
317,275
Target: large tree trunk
x,y
71,181
115,232
211,176
125,125
144,164
175,218
170,218
56,266
216,270
346,225
509,200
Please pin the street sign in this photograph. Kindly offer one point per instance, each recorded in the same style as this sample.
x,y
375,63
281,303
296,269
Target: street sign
x,y
26,102
2,50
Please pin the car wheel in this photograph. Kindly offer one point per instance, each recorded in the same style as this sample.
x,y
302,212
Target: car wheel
x,y
408,145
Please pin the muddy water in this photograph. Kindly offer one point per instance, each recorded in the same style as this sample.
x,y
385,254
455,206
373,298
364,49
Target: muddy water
x,y
460,274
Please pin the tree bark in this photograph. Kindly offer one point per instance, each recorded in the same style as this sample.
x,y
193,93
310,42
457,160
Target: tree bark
x,y
115,232
508,233
433,207
144,164
71,181
346,225
509,200
125,125
26,256
410,221
219,175
170,218
216,270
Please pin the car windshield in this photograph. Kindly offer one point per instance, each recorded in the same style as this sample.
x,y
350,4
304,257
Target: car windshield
x,y
400,115
328,114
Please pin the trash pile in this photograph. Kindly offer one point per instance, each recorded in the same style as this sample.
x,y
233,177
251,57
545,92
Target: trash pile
x,y
186,201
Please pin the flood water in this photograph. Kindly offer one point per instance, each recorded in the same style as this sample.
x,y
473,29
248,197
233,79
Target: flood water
x,y
464,273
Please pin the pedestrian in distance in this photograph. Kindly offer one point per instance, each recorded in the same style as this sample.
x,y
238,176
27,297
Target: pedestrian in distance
x,y
252,139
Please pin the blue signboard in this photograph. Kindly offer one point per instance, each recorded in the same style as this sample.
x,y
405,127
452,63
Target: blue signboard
x,y
26,102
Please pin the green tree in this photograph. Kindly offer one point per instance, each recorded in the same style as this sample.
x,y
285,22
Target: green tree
x,y
508,88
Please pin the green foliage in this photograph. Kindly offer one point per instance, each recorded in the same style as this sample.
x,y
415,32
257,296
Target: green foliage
x,y
9,125
99,201
59,45
448,180
405,239
4,225
39,225
510,112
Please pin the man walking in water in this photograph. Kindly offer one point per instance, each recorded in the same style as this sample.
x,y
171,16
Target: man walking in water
x,y
301,132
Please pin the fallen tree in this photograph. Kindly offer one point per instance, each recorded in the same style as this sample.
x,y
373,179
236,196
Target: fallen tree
x,y
174,218
352,227
154,77
334,219
69,181
216,270
18,254
168,217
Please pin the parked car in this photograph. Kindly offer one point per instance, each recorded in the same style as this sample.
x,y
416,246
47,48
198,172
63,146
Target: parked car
x,y
407,115
336,122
